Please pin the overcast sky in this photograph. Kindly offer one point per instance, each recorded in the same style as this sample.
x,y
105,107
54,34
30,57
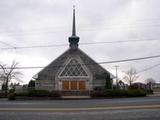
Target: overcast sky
x,y
48,22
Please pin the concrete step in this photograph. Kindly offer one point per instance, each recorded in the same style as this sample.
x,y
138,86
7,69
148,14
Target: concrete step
x,y
75,93
76,97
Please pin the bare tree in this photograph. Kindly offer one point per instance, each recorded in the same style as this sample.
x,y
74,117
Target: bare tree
x,y
131,76
8,73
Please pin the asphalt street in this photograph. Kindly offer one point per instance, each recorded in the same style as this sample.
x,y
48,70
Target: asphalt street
x,y
140,114
79,103
144,108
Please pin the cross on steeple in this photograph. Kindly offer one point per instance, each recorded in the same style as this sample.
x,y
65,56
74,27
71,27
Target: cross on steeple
x,y
73,40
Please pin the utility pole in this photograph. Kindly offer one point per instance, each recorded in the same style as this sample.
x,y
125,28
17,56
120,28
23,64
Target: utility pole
x,y
116,66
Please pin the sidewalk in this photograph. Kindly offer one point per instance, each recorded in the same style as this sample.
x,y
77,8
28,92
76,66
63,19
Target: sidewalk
x,y
155,94
76,97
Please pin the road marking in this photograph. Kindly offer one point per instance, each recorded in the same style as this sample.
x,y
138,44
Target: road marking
x,y
80,109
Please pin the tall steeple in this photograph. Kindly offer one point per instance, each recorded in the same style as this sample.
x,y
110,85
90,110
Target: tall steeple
x,y
74,24
73,40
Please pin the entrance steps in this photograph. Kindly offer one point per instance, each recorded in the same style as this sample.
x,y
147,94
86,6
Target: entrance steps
x,y
75,94
76,97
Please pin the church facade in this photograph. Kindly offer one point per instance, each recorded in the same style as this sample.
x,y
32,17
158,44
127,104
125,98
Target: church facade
x,y
73,70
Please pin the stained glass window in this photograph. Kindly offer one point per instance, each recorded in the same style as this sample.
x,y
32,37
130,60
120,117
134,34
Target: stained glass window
x,y
73,68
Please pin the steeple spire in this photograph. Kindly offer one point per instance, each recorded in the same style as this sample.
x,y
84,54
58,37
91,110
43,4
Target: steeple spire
x,y
73,40
74,25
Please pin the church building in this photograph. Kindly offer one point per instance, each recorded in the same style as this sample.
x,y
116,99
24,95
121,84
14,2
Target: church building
x,y
73,70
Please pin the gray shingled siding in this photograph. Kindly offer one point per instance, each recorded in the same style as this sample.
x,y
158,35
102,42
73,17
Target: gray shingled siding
x,y
49,72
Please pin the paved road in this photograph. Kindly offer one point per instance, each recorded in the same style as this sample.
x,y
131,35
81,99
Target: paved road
x,y
80,103
147,108
140,114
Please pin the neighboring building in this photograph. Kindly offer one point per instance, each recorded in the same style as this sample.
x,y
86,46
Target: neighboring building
x,y
142,86
21,88
73,70
156,85
156,88
122,85
139,85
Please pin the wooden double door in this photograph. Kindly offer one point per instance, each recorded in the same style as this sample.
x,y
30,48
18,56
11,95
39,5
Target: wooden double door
x,y
73,85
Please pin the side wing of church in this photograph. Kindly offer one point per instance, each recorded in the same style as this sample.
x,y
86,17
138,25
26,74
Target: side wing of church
x,y
73,70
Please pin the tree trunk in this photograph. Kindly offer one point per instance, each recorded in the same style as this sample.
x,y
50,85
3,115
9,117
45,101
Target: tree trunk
x,y
6,87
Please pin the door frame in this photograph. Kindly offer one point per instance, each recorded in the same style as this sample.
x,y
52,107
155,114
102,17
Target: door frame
x,y
77,88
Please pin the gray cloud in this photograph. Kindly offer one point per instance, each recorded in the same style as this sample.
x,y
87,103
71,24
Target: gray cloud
x,y
43,22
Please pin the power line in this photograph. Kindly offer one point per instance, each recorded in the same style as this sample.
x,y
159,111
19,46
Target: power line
x,y
108,62
38,46
7,44
64,28
122,41
132,59
89,43
149,68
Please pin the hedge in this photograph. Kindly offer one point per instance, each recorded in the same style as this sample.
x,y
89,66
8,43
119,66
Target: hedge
x,y
38,93
11,96
35,93
117,93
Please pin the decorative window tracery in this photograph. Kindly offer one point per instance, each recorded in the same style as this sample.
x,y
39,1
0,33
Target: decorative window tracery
x,y
73,69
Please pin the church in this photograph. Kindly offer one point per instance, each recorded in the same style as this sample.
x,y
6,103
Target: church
x,y
73,70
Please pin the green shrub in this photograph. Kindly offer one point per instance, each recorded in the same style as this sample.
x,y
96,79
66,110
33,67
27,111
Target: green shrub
x,y
12,90
118,93
38,93
136,93
98,94
2,95
21,94
107,93
115,93
11,96
149,91
55,94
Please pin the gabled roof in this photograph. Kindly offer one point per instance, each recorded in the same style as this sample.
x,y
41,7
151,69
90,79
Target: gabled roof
x,y
55,65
